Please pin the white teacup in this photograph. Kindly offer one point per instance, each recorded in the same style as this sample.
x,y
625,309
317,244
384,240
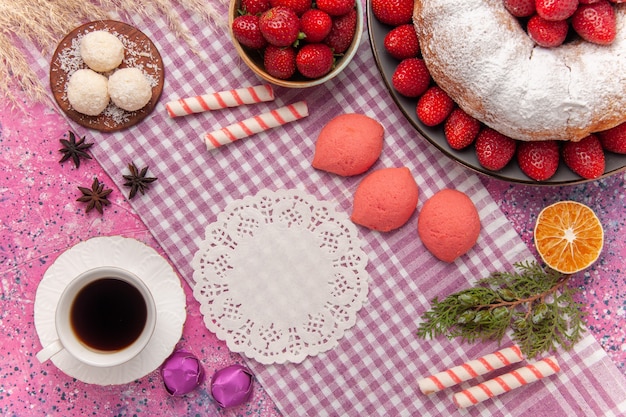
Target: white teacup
x,y
105,317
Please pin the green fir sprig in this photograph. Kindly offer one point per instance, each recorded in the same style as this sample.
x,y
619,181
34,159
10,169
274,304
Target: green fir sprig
x,y
537,304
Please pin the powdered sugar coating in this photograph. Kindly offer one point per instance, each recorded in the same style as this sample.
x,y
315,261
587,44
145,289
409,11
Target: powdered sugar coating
x,y
481,56
102,51
129,89
87,92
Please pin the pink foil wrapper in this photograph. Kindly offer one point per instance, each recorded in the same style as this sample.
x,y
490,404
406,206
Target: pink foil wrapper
x,y
232,385
182,373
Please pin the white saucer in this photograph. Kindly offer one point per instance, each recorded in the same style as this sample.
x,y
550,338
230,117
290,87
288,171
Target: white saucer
x,y
136,257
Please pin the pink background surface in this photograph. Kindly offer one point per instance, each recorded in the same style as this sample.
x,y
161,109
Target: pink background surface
x,y
40,218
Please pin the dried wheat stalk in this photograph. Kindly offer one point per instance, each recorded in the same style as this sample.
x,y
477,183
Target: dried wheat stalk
x,y
17,71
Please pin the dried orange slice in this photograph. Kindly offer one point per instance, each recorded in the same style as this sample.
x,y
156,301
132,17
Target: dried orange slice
x,y
568,236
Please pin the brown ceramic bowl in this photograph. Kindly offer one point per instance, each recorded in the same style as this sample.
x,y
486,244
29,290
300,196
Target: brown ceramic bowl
x,y
254,59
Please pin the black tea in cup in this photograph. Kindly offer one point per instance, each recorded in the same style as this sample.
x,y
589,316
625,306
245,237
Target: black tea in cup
x,y
108,314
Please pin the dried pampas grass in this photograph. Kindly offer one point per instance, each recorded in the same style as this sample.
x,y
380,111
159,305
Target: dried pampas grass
x,y
43,23
17,72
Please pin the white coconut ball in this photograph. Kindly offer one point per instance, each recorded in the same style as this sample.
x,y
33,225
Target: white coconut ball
x,y
101,51
87,92
129,89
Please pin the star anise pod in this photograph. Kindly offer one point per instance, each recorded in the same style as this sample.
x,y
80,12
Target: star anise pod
x,y
74,150
95,197
137,180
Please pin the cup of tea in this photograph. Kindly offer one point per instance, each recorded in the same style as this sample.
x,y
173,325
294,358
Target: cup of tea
x,y
105,317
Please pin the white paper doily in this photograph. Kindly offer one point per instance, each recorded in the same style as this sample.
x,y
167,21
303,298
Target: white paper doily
x,y
138,258
280,276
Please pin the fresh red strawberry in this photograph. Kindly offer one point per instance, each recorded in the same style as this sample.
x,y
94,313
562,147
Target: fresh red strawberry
x,y
314,60
316,25
520,8
393,12
280,26
585,157
246,30
280,62
342,32
298,6
539,160
614,140
493,149
335,7
594,1
434,106
556,9
401,42
547,33
460,129
595,22
411,77
255,6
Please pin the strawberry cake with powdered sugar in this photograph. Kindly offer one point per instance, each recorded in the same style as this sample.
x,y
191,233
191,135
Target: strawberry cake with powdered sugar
x,y
482,56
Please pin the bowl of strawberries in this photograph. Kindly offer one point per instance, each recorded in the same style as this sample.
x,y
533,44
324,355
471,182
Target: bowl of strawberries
x,y
296,43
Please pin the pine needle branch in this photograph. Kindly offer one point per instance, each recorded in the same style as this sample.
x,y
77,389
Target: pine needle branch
x,y
536,304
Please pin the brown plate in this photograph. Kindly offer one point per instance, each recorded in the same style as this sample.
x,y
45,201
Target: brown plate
x,y
139,52
467,157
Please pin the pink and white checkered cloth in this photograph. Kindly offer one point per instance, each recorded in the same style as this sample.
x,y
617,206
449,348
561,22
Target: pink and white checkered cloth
x,y
375,369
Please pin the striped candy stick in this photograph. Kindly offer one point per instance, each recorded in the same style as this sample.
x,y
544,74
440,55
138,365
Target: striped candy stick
x,y
220,100
507,382
256,124
471,369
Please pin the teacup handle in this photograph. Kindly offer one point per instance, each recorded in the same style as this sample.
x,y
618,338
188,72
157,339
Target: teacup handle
x,y
49,351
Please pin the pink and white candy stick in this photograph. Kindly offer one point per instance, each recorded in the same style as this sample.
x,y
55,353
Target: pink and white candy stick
x,y
471,369
507,382
256,124
220,100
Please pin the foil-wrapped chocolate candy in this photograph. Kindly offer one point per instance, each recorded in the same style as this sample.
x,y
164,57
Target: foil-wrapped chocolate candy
x,y
182,373
232,385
